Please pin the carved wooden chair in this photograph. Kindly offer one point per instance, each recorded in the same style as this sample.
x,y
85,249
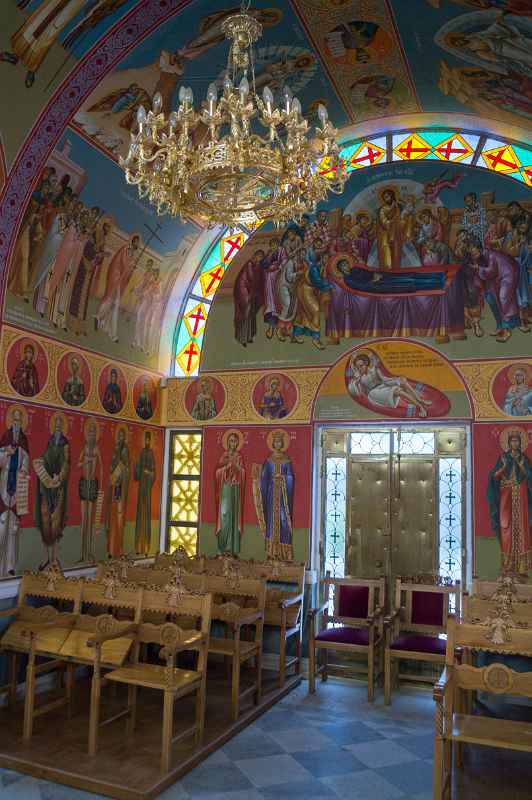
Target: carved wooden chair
x,y
115,635
501,634
169,679
353,628
415,626
489,589
193,564
52,622
238,604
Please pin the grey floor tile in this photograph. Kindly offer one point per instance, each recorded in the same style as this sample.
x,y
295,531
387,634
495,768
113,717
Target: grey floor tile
x,y
274,770
298,791
206,778
25,789
421,745
252,743
325,763
385,753
299,740
350,732
411,781
363,785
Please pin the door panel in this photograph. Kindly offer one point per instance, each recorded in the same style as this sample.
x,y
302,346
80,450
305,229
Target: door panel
x,y
413,529
369,524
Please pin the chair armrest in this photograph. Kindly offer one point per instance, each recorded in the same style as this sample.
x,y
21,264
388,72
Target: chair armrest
x,y
100,638
441,684
377,612
193,643
389,619
62,621
313,612
250,619
291,601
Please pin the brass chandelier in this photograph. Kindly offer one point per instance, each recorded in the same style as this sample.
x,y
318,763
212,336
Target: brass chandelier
x,y
212,164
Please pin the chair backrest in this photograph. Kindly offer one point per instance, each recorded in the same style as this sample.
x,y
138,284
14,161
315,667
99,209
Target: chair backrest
x,y
50,586
194,564
353,599
502,636
425,607
110,594
477,609
246,593
486,589
196,606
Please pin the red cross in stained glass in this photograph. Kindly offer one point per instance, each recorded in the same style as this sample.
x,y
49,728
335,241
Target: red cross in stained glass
x,y
191,351
216,277
198,317
446,150
497,158
409,148
235,245
370,156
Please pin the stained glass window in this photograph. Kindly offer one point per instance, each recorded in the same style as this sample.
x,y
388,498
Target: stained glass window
x,y
335,510
450,517
184,491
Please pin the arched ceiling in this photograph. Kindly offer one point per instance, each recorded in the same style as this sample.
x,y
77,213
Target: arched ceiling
x,y
73,72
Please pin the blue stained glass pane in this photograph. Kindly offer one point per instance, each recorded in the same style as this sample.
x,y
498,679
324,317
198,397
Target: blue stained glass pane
x,y
524,155
435,137
335,509
450,517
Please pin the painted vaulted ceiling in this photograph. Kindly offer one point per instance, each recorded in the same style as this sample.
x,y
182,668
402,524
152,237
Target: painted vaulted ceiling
x,y
73,72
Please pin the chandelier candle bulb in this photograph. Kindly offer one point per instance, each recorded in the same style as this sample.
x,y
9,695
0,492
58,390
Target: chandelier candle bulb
x,y
157,103
243,88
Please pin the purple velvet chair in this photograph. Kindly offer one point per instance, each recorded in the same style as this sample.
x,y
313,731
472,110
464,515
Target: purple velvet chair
x,y
355,625
414,627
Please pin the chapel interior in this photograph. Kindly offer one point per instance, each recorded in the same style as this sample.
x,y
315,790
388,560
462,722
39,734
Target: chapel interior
x,y
265,399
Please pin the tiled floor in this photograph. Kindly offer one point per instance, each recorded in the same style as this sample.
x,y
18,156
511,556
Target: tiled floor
x,y
329,745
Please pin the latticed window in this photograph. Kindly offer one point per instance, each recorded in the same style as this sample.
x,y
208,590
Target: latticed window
x,y
184,491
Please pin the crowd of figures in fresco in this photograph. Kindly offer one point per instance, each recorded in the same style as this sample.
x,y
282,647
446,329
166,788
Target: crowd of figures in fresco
x,y
63,259
43,484
478,256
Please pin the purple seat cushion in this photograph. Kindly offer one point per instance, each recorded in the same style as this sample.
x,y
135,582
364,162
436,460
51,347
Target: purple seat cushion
x,y
428,608
353,601
420,644
345,635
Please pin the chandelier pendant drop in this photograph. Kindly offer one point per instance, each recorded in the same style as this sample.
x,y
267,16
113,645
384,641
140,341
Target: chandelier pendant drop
x,y
214,165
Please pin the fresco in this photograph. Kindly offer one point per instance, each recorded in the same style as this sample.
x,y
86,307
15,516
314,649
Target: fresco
x,y
470,54
412,251
90,263
391,379
193,44
274,396
40,42
503,499
512,390
257,502
205,398
75,487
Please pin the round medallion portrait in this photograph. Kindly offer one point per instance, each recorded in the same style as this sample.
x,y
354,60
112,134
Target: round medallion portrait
x,y
274,396
205,398
73,379
145,396
112,389
27,367
511,390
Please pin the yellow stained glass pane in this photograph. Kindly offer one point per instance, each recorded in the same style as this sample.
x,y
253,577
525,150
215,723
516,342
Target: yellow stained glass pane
x,y
187,454
184,537
184,501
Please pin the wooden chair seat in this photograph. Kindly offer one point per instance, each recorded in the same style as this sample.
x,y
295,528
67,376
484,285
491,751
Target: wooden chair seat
x,y
114,652
155,676
47,640
228,647
507,733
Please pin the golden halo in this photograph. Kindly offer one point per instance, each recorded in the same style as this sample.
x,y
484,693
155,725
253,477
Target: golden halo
x,y
390,188
363,352
275,15
206,379
304,61
91,421
526,368
237,433
269,378
74,357
28,343
23,413
64,419
278,432
112,368
119,428
507,432
341,257
362,213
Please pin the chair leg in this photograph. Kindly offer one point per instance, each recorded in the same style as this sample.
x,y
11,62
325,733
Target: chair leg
x,y
258,670
168,720
371,674
235,687
298,654
12,696
94,719
437,776
29,703
325,664
131,709
387,677
312,667
69,688
282,660
200,710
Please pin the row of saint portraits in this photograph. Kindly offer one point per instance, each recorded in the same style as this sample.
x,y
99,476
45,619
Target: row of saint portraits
x,y
490,43
394,261
256,477
28,374
71,475
503,493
